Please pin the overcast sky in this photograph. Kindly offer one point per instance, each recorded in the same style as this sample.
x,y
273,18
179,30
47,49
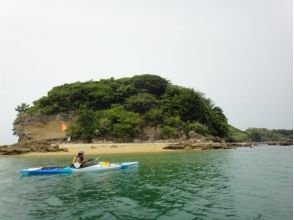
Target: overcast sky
x,y
237,52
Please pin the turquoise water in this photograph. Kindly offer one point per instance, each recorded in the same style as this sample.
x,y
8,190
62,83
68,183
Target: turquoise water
x,y
244,183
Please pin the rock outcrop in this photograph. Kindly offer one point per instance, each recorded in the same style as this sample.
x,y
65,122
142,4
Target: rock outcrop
x,y
32,128
204,144
27,147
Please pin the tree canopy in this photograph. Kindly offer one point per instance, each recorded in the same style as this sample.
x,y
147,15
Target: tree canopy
x,y
121,108
263,134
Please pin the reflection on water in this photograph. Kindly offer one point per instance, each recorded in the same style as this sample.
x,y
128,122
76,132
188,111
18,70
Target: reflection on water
x,y
227,184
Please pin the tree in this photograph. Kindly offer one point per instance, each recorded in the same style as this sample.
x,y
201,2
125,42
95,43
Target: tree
x,y
236,135
103,127
186,103
23,107
119,108
218,123
154,116
150,83
141,102
263,134
123,124
169,131
196,127
84,125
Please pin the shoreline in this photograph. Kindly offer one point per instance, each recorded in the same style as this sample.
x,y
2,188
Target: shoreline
x,y
104,148
46,148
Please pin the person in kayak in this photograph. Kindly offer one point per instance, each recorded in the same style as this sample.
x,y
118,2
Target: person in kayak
x,y
78,161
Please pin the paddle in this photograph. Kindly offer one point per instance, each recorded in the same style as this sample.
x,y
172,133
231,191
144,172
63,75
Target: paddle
x,y
94,159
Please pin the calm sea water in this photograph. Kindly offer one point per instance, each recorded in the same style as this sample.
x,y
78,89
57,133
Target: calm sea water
x,y
244,183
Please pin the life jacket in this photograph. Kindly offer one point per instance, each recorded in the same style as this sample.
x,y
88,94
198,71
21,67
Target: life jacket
x,y
74,159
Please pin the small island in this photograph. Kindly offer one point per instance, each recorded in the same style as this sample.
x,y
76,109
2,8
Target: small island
x,y
146,111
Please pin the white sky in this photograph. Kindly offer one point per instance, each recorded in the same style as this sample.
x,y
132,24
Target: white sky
x,y
237,52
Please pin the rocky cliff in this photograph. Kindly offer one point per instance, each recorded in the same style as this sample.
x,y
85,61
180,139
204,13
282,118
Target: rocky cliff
x,y
32,128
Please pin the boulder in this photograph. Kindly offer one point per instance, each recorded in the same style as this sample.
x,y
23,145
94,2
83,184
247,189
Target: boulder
x,y
26,147
14,150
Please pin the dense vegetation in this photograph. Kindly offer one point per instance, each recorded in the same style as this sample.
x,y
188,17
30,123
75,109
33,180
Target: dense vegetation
x,y
122,108
236,135
263,134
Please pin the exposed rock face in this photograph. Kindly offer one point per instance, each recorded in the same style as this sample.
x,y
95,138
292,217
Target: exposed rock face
x,y
7,150
152,133
38,128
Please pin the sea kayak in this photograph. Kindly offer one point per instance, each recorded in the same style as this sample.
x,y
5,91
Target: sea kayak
x,y
102,166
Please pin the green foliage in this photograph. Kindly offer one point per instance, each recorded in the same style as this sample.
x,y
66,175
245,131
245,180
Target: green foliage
x,y
103,126
95,94
193,106
173,121
154,116
141,102
196,127
121,108
150,83
186,103
236,135
263,134
169,131
115,122
172,126
84,126
218,123
15,132
23,107
121,123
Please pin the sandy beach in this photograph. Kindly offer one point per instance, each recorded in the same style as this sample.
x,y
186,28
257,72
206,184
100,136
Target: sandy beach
x,y
105,148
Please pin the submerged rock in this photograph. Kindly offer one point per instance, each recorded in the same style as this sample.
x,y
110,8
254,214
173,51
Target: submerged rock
x,y
177,146
196,145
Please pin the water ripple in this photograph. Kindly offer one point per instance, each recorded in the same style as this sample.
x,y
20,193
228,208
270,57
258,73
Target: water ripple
x,y
229,184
